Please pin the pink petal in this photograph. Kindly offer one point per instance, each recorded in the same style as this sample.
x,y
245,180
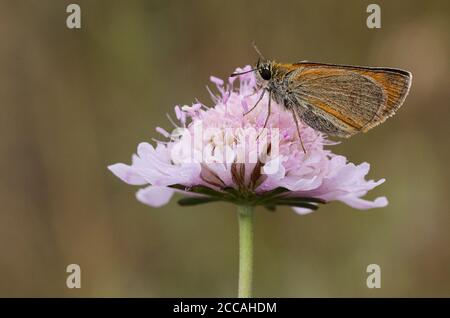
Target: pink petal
x,y
155,196
127,174
145,150
302,211
362,204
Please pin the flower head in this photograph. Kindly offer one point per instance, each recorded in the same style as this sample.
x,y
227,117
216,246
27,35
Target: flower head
x,y
223,153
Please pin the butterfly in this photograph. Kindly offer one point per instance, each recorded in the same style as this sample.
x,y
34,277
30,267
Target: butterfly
x,y
338,100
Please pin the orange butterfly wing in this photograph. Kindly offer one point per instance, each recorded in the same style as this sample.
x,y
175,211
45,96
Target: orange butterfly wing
x,y
342,100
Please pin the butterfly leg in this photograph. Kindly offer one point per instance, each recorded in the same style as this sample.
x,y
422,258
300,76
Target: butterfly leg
x,y
269,109
294,114
257,102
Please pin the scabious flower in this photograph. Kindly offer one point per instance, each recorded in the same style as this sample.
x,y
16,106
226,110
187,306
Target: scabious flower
x,y
221,153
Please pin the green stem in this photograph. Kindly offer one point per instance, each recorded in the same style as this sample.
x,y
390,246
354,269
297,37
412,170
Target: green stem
x,y
245,214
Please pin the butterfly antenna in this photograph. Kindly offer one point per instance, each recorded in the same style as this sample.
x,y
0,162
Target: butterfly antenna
x,y
258,51
241,73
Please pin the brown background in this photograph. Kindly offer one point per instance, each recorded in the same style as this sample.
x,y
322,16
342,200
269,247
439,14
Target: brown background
x,y
74,101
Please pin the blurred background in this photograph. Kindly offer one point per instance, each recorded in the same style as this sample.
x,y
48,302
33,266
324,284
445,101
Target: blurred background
x,y
74,101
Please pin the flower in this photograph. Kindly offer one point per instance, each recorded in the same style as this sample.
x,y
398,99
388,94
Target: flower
x,y
223,153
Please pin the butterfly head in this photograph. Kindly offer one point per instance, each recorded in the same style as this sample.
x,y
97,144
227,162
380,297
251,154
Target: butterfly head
x,y
264,69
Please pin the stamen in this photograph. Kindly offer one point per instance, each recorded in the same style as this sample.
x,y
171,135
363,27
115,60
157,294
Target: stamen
x,y
162,131
171,120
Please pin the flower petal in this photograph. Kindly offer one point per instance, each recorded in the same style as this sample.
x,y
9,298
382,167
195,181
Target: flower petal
x,y
155,196
302,211
127,174
362,204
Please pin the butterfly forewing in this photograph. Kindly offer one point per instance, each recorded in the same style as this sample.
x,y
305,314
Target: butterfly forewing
x,y
342,100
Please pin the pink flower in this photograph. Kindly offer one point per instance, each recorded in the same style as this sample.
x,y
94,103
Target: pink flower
x,y
220,154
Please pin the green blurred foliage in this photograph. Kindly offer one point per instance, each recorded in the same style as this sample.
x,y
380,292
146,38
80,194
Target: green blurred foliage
x,y
74,101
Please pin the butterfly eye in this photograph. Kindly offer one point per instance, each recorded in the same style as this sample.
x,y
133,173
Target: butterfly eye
x,y
265,73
